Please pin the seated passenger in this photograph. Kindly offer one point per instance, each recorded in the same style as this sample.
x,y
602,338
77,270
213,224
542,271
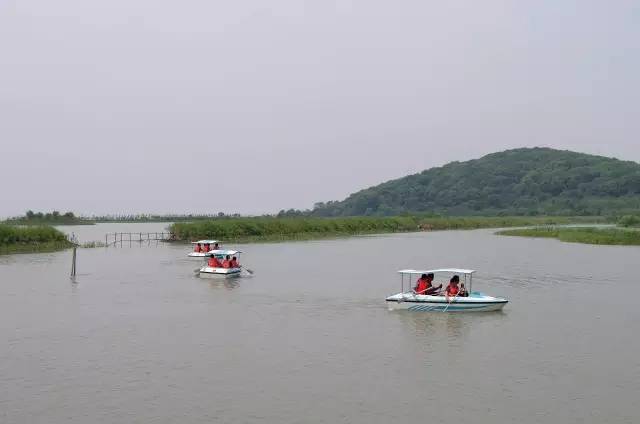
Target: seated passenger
x,y
453,289
463,291
197,249
207,247
226,263
421,284
234,263
425,285
216,246
214,262
431,289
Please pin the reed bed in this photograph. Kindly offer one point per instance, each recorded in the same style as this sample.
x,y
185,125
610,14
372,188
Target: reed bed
x,y
300,228
19,239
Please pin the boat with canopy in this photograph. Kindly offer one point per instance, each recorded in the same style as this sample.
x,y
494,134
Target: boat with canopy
x,y
221,272
475,301
202,248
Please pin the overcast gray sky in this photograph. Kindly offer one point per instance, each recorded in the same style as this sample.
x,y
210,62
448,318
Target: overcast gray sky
x,y
252,106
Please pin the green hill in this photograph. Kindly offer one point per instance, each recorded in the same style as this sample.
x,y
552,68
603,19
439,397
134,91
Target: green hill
x,y
529,181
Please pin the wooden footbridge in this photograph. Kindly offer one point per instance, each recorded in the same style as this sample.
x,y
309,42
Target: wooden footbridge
x,y
119,239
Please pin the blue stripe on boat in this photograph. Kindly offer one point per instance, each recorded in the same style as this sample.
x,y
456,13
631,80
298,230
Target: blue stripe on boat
x,y
426,308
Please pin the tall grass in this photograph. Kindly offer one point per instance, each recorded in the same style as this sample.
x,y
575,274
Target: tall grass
x,y
14,239
607,236
293,228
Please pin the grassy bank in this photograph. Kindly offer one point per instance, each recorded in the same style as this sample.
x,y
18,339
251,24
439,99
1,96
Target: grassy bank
x,y
302,228
608,236
29,239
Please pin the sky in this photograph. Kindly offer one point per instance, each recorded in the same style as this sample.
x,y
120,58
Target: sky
x,y
201,106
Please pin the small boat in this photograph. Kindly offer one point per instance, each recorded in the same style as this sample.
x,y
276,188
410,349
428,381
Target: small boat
x,y
219,272
475,302
202,253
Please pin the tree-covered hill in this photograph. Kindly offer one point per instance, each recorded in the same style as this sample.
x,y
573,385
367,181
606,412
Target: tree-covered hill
x,y
528,181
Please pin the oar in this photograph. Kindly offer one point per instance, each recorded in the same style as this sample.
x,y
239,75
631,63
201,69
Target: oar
x,y
451,300
248,270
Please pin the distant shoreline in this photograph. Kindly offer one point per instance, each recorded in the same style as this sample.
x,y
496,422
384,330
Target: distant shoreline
x,y
584,235
266,229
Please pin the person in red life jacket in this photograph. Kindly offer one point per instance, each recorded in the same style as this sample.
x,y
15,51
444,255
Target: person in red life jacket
x,y
214,262
422,284
207,247
234,263
453,289
227,262
197,249
425,285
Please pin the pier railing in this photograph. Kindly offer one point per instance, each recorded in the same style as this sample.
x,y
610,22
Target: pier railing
x,y
115,239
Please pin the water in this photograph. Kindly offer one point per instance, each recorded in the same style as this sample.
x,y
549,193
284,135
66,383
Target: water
x,y
139,339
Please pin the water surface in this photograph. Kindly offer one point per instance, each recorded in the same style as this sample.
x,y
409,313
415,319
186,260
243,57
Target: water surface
x,y
139,339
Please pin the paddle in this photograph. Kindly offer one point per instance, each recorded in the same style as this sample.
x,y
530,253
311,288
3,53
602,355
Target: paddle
x,y
451,300
248,270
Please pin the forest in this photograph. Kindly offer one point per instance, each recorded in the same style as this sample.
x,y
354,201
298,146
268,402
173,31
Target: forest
x,y
520,182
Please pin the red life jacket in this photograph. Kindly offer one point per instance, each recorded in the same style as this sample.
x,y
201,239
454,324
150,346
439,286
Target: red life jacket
x,y
422,286
206,248
226,264
234,264
197,248
452,290
213,262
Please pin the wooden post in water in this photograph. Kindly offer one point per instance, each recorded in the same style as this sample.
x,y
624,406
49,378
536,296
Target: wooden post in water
x,y
73,262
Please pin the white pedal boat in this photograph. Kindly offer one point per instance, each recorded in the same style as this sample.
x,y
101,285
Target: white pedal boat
x,y
219,272
202,254
475,302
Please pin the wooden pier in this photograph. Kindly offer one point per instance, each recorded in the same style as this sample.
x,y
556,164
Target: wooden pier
x,y
115,239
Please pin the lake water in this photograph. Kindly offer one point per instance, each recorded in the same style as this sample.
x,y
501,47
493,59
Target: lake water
x,y
308,339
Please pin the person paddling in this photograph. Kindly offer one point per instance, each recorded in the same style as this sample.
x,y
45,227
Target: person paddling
x,y
425,285
421,284
234,263
452,289
214,262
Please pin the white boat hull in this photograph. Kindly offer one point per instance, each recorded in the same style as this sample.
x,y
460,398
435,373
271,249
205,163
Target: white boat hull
x,y
198,255
476,302
209,272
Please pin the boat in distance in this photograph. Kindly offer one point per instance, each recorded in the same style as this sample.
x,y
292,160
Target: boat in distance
x,y
475,301
200,251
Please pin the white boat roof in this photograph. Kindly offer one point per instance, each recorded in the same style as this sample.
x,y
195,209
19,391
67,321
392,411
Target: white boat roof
x,y
204,242
435,271
223,252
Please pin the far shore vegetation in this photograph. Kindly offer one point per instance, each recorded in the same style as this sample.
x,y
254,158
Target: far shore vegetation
x,y
587,235
28,239
49,218
302,228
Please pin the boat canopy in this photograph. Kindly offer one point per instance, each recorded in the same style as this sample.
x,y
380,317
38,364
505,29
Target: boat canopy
x,y
435,271
204,242
223,252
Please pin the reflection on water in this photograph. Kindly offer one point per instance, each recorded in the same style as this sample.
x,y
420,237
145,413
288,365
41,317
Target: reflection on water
x,y
439,325
138,337
227,283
